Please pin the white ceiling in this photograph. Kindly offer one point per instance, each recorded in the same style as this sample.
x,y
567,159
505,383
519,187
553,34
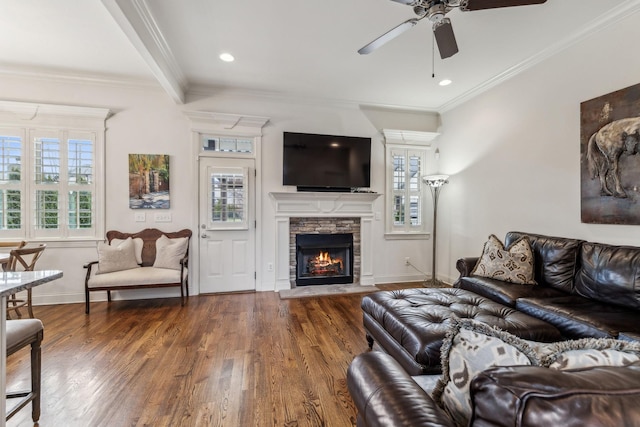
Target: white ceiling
x,y
290,48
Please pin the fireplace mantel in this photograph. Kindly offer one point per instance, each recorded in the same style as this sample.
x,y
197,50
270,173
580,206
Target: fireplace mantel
x,y
314,204
324,204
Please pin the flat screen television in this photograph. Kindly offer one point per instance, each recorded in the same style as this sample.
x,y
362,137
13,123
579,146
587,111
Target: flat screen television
x,y
315,162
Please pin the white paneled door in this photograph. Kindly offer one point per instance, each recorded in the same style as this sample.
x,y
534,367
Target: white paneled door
x,y
227,225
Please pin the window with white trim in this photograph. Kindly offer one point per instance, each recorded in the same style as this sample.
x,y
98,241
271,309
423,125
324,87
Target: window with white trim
x,y
48,172
406,163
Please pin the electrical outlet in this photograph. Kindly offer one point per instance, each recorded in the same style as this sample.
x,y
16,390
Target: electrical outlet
x,y
407,261
163,217
269,266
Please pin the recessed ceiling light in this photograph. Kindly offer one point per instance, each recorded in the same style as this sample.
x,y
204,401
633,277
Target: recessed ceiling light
x,y
445,82
226,57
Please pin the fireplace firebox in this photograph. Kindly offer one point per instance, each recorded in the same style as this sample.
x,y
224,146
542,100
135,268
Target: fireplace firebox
x,y
324,259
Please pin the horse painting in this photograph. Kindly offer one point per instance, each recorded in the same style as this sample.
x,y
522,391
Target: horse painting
x,y
605,148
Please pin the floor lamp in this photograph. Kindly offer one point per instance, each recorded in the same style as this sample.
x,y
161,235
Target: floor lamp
x,y
435,183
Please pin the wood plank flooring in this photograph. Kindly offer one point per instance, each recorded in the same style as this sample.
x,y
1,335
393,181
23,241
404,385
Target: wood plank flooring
x,y
221,360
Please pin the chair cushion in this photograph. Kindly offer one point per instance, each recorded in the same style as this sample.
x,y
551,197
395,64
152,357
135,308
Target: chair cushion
x,y
503,292
19,330
579,317
138,276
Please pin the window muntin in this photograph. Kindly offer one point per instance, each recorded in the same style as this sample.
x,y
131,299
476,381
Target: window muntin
x,y
404,182
228,198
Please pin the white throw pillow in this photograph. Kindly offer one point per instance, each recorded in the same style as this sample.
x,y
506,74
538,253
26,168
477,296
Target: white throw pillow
x,y
116,257
138,243
169,252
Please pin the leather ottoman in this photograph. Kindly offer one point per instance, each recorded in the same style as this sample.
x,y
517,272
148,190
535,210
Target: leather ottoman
x,y
410,324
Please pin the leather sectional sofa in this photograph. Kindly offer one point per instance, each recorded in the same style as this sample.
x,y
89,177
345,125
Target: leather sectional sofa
x,y
583,290
523,396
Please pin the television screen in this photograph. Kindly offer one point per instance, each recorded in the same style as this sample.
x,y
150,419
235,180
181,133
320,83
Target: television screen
x,y
326,162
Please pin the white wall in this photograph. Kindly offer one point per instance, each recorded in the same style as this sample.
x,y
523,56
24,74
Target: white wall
x,y
147,121
514,151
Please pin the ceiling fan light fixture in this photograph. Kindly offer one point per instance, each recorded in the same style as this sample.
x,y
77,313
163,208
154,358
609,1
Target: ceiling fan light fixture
x,y
226,57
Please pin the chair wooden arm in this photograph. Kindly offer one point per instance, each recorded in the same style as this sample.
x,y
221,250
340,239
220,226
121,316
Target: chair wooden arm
x,y
89,264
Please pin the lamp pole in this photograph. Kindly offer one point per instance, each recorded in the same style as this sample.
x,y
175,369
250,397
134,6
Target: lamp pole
x,y
435,183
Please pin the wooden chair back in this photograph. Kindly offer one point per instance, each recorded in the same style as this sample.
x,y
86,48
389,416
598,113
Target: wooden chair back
x,y
26,258
13,245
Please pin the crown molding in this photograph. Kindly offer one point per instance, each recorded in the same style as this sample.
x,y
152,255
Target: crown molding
x,y
55,75
614,15
138,24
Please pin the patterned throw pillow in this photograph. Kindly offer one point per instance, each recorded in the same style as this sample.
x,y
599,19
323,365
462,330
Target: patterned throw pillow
x,y
588,353
513,265
468,349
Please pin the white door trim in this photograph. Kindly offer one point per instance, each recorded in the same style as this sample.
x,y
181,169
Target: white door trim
x,y
205,122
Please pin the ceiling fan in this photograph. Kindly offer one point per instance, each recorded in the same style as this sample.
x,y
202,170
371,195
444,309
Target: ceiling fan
x,y
435,11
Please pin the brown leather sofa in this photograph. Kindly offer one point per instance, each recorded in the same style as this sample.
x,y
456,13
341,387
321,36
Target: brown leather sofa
x,y
584,289
524,396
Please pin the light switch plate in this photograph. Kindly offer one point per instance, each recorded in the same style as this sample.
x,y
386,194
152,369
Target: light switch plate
x,y
139,217
163,217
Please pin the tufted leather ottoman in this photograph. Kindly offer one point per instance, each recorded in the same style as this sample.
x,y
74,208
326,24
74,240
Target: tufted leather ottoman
x,y
410,324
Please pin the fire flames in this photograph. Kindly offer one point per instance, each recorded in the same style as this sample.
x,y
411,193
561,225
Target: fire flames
x,y
323,264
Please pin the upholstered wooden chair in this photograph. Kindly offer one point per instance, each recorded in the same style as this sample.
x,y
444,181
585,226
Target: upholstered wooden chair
x,y
23,259
21,333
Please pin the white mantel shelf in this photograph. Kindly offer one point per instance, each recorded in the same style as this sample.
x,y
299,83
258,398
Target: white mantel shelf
x,y
323,204
314,204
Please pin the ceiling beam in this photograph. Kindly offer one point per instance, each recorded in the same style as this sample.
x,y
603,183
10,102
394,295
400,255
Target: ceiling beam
x,y
137,23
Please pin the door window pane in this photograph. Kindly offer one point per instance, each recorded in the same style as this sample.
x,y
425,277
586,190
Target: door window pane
x,y
228,197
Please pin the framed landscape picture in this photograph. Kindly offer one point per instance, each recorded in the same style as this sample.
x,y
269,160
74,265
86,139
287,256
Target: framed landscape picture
x,y
149,181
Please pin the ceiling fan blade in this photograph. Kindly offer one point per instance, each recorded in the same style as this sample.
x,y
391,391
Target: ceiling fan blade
x,y
446,40
388,36
469,5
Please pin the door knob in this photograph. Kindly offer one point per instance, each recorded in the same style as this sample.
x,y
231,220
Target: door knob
x,y
204,236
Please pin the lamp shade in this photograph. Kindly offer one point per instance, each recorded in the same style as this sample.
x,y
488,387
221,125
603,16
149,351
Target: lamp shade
x,y
437,180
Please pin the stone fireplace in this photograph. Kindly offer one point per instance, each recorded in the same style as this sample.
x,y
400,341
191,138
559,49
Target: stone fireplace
x,y
324,251
323,213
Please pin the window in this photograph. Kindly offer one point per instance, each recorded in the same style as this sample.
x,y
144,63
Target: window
x,y
405,195
228,198
48,171
227,144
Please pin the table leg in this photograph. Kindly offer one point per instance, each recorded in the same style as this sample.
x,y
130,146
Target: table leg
x,y
3,360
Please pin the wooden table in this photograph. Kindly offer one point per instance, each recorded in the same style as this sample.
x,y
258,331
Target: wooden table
x,y
10,283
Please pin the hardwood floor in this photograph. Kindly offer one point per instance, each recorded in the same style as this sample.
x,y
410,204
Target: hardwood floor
x,y
221,360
